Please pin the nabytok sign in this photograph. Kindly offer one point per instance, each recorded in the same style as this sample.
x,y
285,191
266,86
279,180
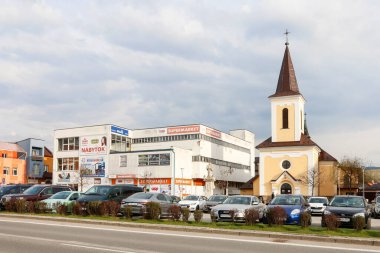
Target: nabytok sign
x,y
93,145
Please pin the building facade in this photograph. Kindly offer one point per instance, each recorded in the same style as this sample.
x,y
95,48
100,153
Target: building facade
x,y
290,161
12,164
165,159
35,149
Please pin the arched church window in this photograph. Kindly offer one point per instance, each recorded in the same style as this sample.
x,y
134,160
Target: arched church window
x,y
286,188
285,120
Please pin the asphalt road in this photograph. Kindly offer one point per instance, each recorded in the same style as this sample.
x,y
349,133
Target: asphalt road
x,y
35,236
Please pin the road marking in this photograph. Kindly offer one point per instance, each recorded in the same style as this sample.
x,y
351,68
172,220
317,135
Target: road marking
x,y
97,248
192,236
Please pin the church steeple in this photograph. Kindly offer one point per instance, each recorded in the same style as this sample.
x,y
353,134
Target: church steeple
x,y
287,82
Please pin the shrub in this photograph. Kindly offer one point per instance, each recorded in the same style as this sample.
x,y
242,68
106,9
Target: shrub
x,y
113,208
152,211
77,209
251,215
40,207
305,219
20,206
93,208
128,212
30,208
175,212
331,221
10,205
232,213
61,209
276,216
185,214
198,215
359,223
213,216
102,209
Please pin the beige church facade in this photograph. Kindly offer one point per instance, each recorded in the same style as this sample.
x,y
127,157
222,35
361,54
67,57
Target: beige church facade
x,y
290,162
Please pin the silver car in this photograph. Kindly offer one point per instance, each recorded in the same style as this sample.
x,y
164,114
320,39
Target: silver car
x,y
139,200
233,208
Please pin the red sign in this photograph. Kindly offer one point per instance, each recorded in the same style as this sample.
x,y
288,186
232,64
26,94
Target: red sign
x,y
184,129
213,133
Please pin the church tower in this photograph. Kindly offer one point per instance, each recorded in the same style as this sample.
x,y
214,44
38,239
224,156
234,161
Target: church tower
x,y
290,162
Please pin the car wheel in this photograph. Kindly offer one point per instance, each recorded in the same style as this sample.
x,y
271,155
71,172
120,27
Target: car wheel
x,y
369,223
197,208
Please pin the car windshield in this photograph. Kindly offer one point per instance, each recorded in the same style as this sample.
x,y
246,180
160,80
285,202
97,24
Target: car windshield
x,y
217,198
141,195
33,190
191,197
60,195
318,200
5,189
378,199
98,190
238,200
286,200
347,202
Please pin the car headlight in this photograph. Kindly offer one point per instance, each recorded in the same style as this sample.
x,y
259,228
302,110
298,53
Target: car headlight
x,y
295,212
21,198
193,204
326,212
359,215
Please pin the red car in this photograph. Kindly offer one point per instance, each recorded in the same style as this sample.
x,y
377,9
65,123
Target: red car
x,y
36,192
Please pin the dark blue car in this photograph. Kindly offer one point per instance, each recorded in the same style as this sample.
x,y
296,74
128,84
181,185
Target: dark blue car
x,y
294,205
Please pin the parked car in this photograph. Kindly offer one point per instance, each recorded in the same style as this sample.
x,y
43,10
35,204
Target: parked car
x,y
139,200
346,208
376,207
294,205
317,204
12,189
36,192
107,192
175,199
236,206
213,201
193,202
63,197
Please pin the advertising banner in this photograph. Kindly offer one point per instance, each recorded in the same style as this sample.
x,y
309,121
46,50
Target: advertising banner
x,y
213,133
65,177
93,145
183,129
118,130
92,166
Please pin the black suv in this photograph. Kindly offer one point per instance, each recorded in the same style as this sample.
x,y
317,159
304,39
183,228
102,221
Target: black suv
x,y
36,192
108,192
12,189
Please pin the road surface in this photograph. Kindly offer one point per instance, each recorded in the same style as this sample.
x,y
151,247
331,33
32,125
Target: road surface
x,y
36,236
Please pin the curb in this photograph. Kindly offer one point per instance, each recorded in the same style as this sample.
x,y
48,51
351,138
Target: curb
x,y
237,232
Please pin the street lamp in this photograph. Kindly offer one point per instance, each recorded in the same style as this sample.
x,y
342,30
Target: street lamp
x,y
181,182
173,173
363,168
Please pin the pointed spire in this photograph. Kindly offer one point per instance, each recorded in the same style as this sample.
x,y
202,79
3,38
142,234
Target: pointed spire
x,y
306,131
287,82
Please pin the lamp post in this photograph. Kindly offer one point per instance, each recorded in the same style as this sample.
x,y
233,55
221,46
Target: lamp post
x,y
181,182
363,168
173,173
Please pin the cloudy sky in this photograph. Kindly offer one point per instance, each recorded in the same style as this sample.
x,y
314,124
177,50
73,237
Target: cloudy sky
x,y
144,64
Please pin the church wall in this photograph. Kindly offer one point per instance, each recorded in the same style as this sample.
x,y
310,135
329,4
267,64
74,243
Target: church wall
x,y
287,134
328,179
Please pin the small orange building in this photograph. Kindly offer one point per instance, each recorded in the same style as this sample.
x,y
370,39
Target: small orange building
x,y
12,164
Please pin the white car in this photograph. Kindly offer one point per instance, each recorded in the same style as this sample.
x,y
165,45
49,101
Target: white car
x,y
63,197
193,202
318,204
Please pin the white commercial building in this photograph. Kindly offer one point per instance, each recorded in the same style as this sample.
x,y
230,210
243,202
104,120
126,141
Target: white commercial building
x,y
165,159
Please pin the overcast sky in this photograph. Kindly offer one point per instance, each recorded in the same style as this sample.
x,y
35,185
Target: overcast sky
x,y
143,64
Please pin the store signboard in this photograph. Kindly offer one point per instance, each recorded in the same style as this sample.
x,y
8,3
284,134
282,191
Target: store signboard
x,y
65,177
92,166
213,133
183,129
118,130
93,145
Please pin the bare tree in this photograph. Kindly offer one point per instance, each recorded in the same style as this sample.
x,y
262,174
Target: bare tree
x,y
353,170
312,179
82,178
226,173
146,175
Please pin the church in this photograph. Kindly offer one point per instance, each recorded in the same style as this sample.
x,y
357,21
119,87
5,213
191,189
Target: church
x,y
290,162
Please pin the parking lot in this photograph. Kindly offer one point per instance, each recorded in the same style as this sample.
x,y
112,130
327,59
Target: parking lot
x,y
316,220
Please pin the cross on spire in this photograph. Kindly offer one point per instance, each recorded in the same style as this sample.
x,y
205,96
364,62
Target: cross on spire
x,y
286,35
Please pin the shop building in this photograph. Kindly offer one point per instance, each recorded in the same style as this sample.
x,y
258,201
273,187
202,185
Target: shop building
x,y
166,159
12,164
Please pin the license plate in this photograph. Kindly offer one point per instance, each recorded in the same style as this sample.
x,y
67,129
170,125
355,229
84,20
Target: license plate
x,y
83,208
344,219
225,216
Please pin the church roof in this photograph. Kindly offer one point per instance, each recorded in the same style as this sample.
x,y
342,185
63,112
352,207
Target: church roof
x,y
324,156
285,173
287,82
304,141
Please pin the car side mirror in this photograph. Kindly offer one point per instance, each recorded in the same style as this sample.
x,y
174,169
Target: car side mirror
x,y
255,203
324,204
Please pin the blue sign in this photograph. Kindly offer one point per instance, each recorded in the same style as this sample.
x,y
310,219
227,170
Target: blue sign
x,y
118,130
